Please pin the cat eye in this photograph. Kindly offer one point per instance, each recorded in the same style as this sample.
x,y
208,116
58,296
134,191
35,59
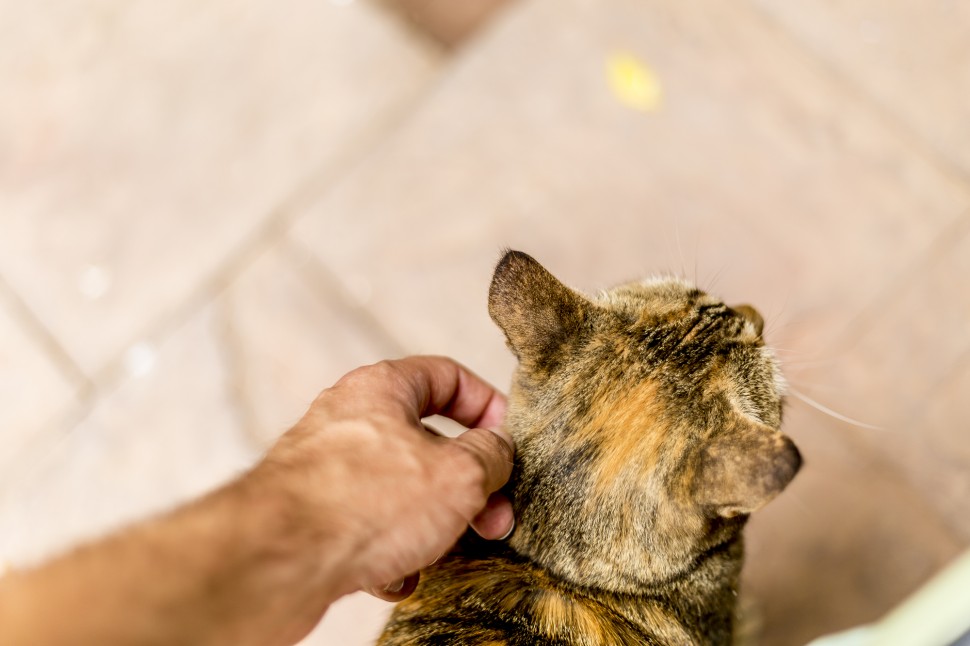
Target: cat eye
x,y
751,315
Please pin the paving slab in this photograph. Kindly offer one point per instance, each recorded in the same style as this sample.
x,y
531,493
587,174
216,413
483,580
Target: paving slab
x,y
909,58
617,139
144,142
167,435
904,370
754,168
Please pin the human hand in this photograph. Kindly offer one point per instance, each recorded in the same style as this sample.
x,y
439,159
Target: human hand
x,y
358,494
392,497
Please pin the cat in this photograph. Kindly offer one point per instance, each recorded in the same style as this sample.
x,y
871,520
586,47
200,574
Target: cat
x,y
646,422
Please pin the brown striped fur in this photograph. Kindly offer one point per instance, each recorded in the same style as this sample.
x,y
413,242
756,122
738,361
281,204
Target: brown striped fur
x,y
647,429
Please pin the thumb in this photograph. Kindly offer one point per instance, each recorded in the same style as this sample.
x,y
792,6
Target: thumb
x,y
494,449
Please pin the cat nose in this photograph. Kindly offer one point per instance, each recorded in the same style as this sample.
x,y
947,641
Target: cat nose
x,y
752,315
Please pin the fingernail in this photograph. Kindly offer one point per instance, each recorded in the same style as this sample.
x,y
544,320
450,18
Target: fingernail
x,y
394,587
508,533
505,437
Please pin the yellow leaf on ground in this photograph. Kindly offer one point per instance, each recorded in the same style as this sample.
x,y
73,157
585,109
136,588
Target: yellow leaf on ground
x,y
633,83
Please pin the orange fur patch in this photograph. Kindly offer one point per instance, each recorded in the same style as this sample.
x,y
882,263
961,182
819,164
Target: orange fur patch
x,y
628,428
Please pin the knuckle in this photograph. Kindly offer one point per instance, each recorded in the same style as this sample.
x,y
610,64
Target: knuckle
x,y
382,371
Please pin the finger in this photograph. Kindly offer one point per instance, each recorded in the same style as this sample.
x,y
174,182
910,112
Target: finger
x,y
441,386
396,590
496,521
494,451
456,392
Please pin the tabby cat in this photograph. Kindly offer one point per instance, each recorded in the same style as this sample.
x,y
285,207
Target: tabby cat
x,y
646,421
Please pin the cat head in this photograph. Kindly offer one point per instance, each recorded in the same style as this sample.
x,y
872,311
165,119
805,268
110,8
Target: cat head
x,y
646,420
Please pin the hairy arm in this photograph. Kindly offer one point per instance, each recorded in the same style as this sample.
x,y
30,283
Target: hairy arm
x,y
354,497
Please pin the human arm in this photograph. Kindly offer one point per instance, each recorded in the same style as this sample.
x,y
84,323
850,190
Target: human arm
x,y
355,496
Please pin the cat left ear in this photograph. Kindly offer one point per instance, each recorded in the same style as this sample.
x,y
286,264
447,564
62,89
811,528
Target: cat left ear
x,y
746,466
538,314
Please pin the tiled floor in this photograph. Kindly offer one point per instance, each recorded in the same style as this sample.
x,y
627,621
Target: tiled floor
x,y
209,214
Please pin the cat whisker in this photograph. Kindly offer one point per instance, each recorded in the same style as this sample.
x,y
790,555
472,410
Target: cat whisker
x,y
772,325
794,351
697,253
831,413
814,386
680,250
712,284
795,366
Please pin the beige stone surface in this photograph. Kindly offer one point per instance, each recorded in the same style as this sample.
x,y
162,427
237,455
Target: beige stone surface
x,y
784,165
903,369
911,59
756,169
355,620
289,331
33,390
143,142
759,174
847,540
169,433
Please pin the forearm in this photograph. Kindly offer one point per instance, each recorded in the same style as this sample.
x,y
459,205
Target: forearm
x,y
236,567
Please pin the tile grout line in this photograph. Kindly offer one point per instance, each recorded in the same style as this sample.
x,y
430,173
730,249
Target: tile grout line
x,y
950,235
314,186
409,26
48,342
315,272
415,27
899,126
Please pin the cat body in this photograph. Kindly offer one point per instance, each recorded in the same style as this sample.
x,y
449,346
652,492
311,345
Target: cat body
x,y
646,423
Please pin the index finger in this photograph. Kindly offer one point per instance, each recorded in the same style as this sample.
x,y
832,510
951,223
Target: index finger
x,y
440,386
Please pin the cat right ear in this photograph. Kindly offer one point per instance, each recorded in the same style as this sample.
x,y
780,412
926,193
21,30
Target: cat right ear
x,y
744,468
538,314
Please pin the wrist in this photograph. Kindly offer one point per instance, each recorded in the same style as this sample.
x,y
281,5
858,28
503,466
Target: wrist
x,y
301,552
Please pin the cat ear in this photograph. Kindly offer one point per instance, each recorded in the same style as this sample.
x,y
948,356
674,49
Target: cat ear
x,y
537,313
743,468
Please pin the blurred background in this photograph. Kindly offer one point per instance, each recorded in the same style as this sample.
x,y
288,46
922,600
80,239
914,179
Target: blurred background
x,y
210,211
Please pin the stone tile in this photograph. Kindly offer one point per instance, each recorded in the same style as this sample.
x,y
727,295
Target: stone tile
x,y
905,372
145,141
842,545
34,391
909,58
290,333
755,160
166,435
